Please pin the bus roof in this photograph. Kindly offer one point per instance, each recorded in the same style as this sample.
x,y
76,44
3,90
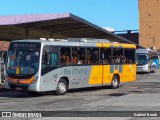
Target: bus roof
x,y
71,43
145,51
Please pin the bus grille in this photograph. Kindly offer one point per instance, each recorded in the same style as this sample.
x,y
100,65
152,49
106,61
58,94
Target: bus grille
x,y
23,87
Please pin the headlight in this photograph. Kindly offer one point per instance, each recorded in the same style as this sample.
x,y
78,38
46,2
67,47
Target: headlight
x,y
35,79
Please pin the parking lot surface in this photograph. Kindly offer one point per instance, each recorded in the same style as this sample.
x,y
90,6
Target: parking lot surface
x,y
140,95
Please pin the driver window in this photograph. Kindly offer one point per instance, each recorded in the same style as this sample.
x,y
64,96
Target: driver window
x,y
49,59
44,59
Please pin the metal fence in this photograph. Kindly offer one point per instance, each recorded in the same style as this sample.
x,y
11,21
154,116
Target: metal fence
x,y
2,78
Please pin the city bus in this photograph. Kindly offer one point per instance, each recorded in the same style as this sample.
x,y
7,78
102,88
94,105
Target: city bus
x,y
42,66
147,60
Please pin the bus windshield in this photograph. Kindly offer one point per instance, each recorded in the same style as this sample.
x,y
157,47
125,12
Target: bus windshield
x,y
142,59
23,62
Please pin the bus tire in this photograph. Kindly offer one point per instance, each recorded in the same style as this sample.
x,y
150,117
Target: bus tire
x,y
62,87
154,70
115,82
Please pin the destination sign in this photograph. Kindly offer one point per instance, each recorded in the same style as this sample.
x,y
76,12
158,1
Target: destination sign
x,y
25,45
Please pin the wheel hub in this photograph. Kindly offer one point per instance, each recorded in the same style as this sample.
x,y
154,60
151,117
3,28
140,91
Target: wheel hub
x,y
61,87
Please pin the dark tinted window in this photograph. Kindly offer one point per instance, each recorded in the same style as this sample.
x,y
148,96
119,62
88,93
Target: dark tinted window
x,y
129,55
105,56
118,55
92,56
65,56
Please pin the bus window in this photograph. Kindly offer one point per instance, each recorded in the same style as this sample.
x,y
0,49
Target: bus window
x,y
78,56
81,56
118,55
49,59
64,56
74,55
105,55
142,59
95,57
129,55
53,59
92,56
89,61
154,57
44,59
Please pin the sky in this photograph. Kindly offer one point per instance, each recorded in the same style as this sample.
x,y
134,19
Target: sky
x,y
117,14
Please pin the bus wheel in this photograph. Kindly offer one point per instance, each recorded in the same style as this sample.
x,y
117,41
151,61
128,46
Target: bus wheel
x,y
115,82
154,70
62,87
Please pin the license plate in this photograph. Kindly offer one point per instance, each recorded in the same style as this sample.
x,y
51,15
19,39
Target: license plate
x,y
18,88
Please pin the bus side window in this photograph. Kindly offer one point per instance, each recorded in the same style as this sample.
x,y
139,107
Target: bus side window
x,y
44,59
95,57
74,55
67,60
89,55
105,55
53,59
65,56
117,55
129,56
49,59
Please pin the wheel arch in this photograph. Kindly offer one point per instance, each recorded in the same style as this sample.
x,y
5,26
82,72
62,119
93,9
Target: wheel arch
x,y
65,78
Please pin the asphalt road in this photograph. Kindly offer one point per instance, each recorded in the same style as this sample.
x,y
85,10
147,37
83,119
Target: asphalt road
x,y
140,95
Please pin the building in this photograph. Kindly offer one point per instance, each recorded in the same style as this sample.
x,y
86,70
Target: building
x,y
3,52
149,23
3,48
131,35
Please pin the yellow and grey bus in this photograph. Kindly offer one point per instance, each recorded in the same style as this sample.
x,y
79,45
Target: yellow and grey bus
x,y
43,66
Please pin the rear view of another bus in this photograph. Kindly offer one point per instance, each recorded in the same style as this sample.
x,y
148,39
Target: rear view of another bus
x,y
147,60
